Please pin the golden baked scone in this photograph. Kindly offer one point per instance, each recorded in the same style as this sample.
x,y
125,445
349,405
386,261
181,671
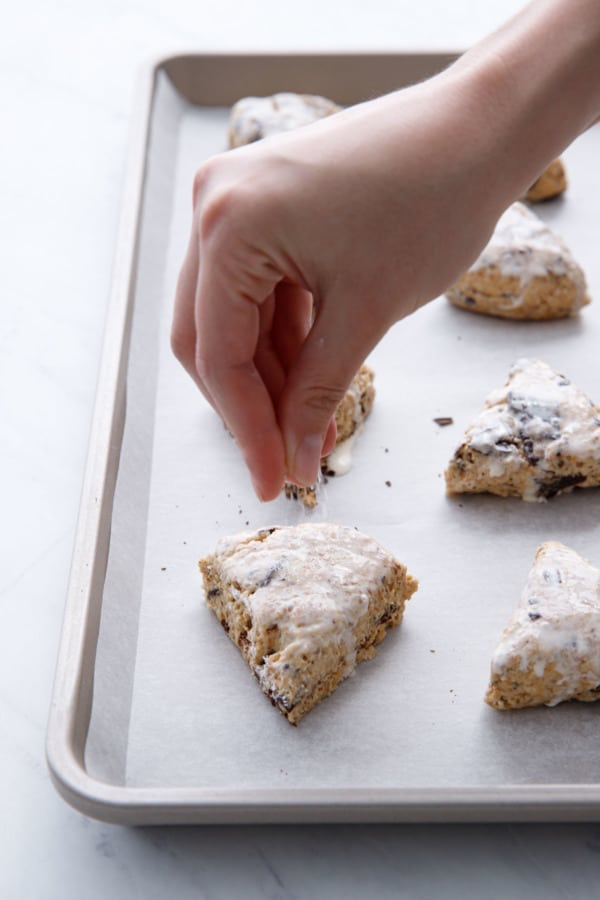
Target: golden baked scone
x,y
350,415
550,649
536,437
304,604
551,183
526,271
254,118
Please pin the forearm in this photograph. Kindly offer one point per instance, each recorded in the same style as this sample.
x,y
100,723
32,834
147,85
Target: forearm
x,y
539,75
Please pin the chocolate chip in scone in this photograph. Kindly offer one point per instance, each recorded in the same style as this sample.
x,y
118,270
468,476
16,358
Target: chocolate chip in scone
x,y
549,489
271,574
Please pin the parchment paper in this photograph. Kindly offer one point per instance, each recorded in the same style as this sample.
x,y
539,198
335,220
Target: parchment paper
x,y
174,703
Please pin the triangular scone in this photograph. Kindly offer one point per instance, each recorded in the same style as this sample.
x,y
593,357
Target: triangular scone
x,y
526,271
350,416
536,437
550,649
551,183
254,118
304,604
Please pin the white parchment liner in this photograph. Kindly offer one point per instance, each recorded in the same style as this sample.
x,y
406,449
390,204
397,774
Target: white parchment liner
x,y
174,703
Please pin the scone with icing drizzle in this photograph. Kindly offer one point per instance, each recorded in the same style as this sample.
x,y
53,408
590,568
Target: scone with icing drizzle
x,y
350,416
304,604
536,437
551,183
526,271
550,649
254,118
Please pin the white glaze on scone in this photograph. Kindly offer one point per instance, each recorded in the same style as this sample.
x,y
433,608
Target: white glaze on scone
x,y
535,429
339,461
254,118
311,581
305,604
526,271
524,246
554,631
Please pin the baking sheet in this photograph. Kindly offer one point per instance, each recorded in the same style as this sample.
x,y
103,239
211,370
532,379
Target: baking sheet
x,y
175,711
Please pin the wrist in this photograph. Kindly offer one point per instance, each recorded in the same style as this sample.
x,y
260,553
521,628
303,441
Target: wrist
x,y
539,77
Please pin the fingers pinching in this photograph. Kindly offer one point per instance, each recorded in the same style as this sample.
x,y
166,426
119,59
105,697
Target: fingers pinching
x,y
326,364
227,324
306,413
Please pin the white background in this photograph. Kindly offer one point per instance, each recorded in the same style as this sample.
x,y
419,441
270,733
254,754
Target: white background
x,y
67,71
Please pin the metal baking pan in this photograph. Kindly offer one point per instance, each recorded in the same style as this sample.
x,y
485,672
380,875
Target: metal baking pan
x,y
154,717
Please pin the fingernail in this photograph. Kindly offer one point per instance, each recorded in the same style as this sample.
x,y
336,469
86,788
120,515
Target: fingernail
x,y
305,470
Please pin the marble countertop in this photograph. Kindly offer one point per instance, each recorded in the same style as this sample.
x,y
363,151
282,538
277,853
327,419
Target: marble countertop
x,y
67,72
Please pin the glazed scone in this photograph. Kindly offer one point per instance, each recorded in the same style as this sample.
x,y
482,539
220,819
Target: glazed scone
x,y
254,118
304,604
550,649
526,271
551,183
536,437
350,416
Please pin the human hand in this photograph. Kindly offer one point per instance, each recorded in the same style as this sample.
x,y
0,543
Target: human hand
x,y
306,247
357,221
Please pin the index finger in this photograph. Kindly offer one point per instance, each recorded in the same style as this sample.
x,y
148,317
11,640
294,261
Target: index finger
x,y
227,334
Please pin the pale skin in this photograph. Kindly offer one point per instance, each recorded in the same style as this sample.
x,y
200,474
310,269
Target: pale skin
x,y
306,248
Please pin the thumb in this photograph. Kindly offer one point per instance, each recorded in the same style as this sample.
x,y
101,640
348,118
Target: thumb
x,y
315,386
